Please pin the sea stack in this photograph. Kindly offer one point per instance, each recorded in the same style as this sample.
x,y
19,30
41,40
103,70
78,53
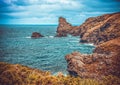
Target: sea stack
x,y
63,28
36,35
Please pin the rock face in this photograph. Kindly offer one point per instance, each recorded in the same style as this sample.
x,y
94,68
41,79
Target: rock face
x,y
104,32
103,62
101,29
36,35
65,28
94,30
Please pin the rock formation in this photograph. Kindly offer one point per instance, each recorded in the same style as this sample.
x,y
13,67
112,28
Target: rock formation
x,y
36,35
104,32
65,28
101,29
103,62
94,30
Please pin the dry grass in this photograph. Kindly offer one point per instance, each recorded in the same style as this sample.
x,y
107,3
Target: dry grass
x,y
15,74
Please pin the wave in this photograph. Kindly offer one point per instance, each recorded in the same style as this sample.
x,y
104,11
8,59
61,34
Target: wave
x,y
74,41
51,36
28,37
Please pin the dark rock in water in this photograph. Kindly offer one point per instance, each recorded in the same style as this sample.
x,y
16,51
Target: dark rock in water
x,y
36,35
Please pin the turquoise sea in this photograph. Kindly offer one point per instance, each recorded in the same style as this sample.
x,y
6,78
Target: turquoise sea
x,y
47,53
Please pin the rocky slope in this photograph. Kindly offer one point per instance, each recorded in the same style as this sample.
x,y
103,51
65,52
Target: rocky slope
x,y
103,62
101,29
104,32
15,74
94,30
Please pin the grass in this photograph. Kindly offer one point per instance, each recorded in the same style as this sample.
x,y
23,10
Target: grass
x,y
15,74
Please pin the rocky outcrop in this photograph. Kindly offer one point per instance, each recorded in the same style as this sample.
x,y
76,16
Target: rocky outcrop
x,y
36,35
104,32
100,29
94,30
65,28
103,62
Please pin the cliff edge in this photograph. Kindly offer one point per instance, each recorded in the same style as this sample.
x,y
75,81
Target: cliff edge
x,y
94,30
104,32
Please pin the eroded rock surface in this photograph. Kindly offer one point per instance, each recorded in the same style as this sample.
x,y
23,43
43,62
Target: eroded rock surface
x,y
65,28
103,62
94,30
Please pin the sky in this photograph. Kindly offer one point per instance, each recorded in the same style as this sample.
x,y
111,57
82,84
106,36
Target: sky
x,y
49,11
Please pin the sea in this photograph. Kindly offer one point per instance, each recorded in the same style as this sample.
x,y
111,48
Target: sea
x,y
46,53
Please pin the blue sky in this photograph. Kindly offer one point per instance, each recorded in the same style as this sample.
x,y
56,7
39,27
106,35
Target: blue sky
x,y
48,11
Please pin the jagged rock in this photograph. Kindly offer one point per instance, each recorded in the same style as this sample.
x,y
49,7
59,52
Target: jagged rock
x,y
36,35
103,62
100,29
65,28
94,30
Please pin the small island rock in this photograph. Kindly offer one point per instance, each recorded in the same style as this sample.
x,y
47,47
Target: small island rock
x,y
36,35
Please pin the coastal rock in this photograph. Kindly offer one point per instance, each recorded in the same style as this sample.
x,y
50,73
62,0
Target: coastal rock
x,y
65,28
94,30
103,62
36,35
100,29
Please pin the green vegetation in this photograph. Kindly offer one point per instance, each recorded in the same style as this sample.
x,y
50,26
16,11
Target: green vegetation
x,y
21,75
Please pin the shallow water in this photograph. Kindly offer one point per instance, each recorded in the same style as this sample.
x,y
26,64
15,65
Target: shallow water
x,y
47,53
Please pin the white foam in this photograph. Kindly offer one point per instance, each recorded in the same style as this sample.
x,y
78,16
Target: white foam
x,y
28,37
74,41
51,36
91,44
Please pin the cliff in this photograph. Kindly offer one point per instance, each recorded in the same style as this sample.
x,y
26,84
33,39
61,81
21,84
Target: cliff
x,y
103,62
101,29
94,30
104,32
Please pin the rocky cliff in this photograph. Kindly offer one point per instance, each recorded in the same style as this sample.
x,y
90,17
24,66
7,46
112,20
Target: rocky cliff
x,y
94,30
104,32
103,62
101,29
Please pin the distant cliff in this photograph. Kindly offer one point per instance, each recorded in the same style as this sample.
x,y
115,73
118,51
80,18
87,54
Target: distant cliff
x,y
94,30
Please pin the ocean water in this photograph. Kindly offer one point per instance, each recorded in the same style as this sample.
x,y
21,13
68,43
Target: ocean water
x,y
47,53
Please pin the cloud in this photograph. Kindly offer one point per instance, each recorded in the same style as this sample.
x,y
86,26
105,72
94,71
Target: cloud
x,y
48,11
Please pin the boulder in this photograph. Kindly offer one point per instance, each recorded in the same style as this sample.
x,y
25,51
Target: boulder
x,y
36,35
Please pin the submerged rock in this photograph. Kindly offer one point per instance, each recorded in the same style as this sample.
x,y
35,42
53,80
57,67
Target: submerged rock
x,y
36,35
